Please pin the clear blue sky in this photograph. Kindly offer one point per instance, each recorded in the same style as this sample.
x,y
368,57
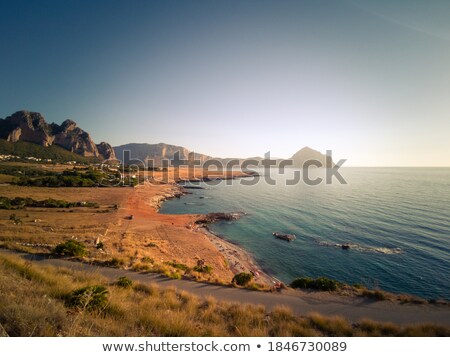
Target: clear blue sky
x,y
368,79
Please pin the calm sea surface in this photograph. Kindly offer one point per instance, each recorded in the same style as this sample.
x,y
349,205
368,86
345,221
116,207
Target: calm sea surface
x,y
396,221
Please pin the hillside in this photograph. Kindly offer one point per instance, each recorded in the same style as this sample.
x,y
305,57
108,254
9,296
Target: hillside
x,y
55,153
156,152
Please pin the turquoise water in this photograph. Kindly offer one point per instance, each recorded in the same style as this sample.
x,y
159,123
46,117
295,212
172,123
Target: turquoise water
x,y
397,221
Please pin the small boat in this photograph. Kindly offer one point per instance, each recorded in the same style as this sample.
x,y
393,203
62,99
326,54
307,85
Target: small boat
x,y
283,236
345,246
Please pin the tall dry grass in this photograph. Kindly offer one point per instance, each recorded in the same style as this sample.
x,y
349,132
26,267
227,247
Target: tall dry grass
x,y
33,302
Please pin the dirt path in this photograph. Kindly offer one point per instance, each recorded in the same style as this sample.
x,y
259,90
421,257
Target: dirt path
x,y
302,303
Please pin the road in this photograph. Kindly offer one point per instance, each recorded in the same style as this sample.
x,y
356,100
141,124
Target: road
x,y
352,308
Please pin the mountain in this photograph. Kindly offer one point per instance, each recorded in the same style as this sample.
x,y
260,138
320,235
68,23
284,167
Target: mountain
x,y
32,127
158,152
155,152
305,154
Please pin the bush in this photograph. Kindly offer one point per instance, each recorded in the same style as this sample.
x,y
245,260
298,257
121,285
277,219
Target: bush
x,y
203,269
321,283
178,266
5,203
124,282
374,294
89,298
242,279
71,248
174,275
147,260
115,262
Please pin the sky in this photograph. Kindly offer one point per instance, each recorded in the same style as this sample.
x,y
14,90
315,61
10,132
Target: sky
x,y
369,80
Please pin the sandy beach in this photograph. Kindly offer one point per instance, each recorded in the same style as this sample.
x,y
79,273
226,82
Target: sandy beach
x,y
239,260
182,236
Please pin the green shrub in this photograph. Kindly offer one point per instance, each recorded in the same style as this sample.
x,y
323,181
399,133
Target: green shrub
x,y
374,294
71,248
5,203
178,265
174,275
242,279
147,260
89,298
115,262
321,283
124,282
203,269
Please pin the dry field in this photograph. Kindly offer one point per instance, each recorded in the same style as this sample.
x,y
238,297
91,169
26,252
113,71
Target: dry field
x,y
148,242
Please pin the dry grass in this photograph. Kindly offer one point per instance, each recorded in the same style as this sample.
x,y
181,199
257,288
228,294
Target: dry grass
x,y
33,302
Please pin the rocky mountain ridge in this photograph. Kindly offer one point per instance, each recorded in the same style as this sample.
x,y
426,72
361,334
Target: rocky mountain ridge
x,y
32,127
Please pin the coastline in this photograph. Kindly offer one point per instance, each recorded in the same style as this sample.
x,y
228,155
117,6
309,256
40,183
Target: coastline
x,y
238,259
178,238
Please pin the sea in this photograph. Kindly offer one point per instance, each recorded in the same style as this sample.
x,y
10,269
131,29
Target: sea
x,y
395,222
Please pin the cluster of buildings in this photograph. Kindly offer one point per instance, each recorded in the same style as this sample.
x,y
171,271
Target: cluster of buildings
x,y
4,157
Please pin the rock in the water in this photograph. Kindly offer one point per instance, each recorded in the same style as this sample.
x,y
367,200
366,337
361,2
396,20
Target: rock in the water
x,y
284,236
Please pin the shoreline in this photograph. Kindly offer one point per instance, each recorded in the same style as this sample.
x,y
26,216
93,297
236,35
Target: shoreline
x,y
238,259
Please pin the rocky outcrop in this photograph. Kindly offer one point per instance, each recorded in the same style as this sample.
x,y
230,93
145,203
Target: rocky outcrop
x,y
26,126
106,150
32,127
218,216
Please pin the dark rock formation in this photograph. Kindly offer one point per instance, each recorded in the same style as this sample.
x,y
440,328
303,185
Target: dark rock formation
x,y
32,127
219,216
106,151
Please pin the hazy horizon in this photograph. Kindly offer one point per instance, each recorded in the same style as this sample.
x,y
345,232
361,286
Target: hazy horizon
x,y
368,80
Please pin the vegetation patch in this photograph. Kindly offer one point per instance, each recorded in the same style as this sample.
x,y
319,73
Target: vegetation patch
x,y
124,282
374,294
71,248
321,283
203,269
115,263
242,279
89,298
22,202
68,178
178,266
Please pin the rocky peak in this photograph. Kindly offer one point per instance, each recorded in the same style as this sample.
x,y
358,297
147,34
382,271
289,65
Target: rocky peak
x,y
106,150
32,120
31,126
68,125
